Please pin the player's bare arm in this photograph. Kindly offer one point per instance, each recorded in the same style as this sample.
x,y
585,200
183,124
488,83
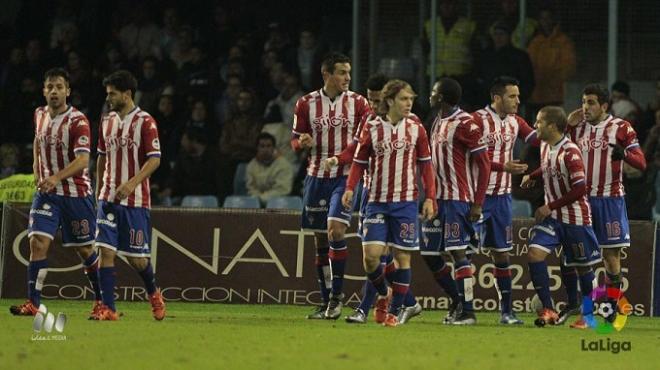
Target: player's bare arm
x,y
35,162
100,168
75,167
515,167
127,188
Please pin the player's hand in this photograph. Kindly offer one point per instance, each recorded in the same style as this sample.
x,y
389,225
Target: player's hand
x,y
429,210
306,141
330,163
541,213
515,167
618,152
347,199
125,189
527,182
575,117
48,184
475,213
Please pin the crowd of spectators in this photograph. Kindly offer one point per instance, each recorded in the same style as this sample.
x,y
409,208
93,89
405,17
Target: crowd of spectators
x,y
222,81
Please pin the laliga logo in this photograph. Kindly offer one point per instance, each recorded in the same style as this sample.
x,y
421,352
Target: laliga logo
x,y
46,321
614,315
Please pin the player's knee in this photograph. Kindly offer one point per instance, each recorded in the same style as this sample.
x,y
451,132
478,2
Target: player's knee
x,y
336,231
402,258
85,251
39,247
500,257
107,257
138,263
536,255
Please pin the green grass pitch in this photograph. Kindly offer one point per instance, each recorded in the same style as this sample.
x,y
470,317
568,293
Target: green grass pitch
x,y
218,336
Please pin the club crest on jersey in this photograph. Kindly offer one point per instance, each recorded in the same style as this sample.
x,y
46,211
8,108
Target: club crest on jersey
x,y
587,144
326,122
386,147
155,143
83,140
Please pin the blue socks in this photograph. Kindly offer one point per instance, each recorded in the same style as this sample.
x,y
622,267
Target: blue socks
x,y
338,254
587,281
36,272
442,274
569,280
541,281
377,279
149,279
91,269
107,282
400,287
503,277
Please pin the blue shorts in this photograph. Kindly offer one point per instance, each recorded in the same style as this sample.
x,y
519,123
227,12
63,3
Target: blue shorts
x,y
393,224
126,230
449,230
322,202
610,221
580,247
75,215
495,227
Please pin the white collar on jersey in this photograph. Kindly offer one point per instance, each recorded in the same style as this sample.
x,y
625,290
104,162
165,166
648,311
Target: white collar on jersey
x,y
493,113
559,143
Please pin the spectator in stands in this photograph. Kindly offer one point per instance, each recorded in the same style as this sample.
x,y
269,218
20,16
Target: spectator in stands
x,y
168,33
553,58
220,33
624,107
455,41
140,38
195,171
149,86
181,50
9,160
195,75
223,103
281,131
511,19
651,150
309,55
34,58
12,71
268,175
503,59
287,98
237,139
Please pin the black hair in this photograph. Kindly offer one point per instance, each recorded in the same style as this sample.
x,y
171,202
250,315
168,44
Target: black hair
x,y
601,93
376,82
451,91
121,80
266,136
57,72
621,86
498,87
333,58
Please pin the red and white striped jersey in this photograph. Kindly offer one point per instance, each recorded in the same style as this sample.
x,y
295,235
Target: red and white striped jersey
x,y
500,136
59,139
604,176
563,169
127,144
453,138
332,125
392,153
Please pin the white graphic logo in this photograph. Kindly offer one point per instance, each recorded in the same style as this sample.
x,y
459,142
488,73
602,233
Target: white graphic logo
x,y
46,206
322,202
155,143
83,140
111,217
45,321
